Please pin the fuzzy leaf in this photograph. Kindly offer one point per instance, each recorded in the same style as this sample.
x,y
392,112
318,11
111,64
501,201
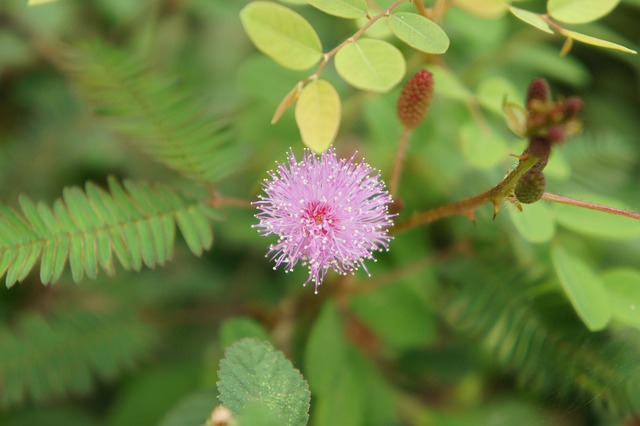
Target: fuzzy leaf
x,y
594,41
419,32
85,229
580,11
282,34
370,64
342,8
583,288
318,114
252,371
531,18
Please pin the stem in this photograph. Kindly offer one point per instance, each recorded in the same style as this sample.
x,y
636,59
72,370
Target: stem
x,y
397,165
468,206
588,205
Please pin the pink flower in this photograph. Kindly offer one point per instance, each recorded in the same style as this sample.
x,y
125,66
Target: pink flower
x,y
326,212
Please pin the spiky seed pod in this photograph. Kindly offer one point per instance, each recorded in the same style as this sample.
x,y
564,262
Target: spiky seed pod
x,y
538,92
415,98
530,186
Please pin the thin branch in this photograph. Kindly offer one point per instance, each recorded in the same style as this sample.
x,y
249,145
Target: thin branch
x,y
589,205
397,165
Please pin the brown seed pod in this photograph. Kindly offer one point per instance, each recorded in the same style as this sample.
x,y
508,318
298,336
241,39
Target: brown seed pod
x,y
530,186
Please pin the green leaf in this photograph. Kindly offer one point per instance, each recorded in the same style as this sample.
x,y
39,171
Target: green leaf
x,y
482,146
596,223
535,222
583,288
37,2
419,32
623,286
449,85
489,9
580,11
193,410
252,371
282,34
50,357
343,8
594,41
370,64
318,114
531,18
494,91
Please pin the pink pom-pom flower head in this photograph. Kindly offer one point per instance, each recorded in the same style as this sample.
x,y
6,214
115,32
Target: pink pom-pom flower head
x,y
328,213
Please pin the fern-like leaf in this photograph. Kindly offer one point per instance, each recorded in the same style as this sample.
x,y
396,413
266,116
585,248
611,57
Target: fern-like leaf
x,y
155,113
532,330
53,357
85,229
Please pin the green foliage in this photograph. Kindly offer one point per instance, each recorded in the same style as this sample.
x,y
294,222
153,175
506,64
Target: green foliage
x,y
342,8
155,113
43,358
531,330
85,229
419,32
318,114
253,373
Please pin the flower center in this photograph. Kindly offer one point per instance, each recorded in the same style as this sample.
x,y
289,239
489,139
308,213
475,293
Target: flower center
x,y
318,218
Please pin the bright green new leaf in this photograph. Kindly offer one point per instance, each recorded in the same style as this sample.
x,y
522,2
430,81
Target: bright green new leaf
x,y
37,2
531,19
342,8
596,223
419,32
318,114
449,85
370,64
580,11
282,34
481,146
535,222
252,371
623,286
594,41
583,288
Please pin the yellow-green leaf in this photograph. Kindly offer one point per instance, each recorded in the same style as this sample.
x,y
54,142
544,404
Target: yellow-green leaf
x,y
531,19
342,8
580,11
318,114
419,32
535,222
623,286
37,2
289,100
485,8
282,34
595,41
370,64
583,288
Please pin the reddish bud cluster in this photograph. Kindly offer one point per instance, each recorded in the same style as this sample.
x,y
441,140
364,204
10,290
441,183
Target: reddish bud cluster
x,y
415,99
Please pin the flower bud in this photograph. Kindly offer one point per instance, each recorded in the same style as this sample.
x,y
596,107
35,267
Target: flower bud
x,y
556,134
530,186
538,91
415,99
572,107
539,147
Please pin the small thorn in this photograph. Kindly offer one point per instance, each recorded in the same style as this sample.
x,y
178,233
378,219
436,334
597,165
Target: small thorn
x,y
471,215
521,157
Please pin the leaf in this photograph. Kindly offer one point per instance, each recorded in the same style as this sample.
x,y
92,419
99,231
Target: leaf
x,y
419,32
596,223
535,222
531,19
482,146
583,288
193,410
488,9
449,85
595,41
318,114
234,329
370,64
43,358
252,371
580,11
343,8
86,228
623,286
155,114
37,2
493,92
289,100
282,34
